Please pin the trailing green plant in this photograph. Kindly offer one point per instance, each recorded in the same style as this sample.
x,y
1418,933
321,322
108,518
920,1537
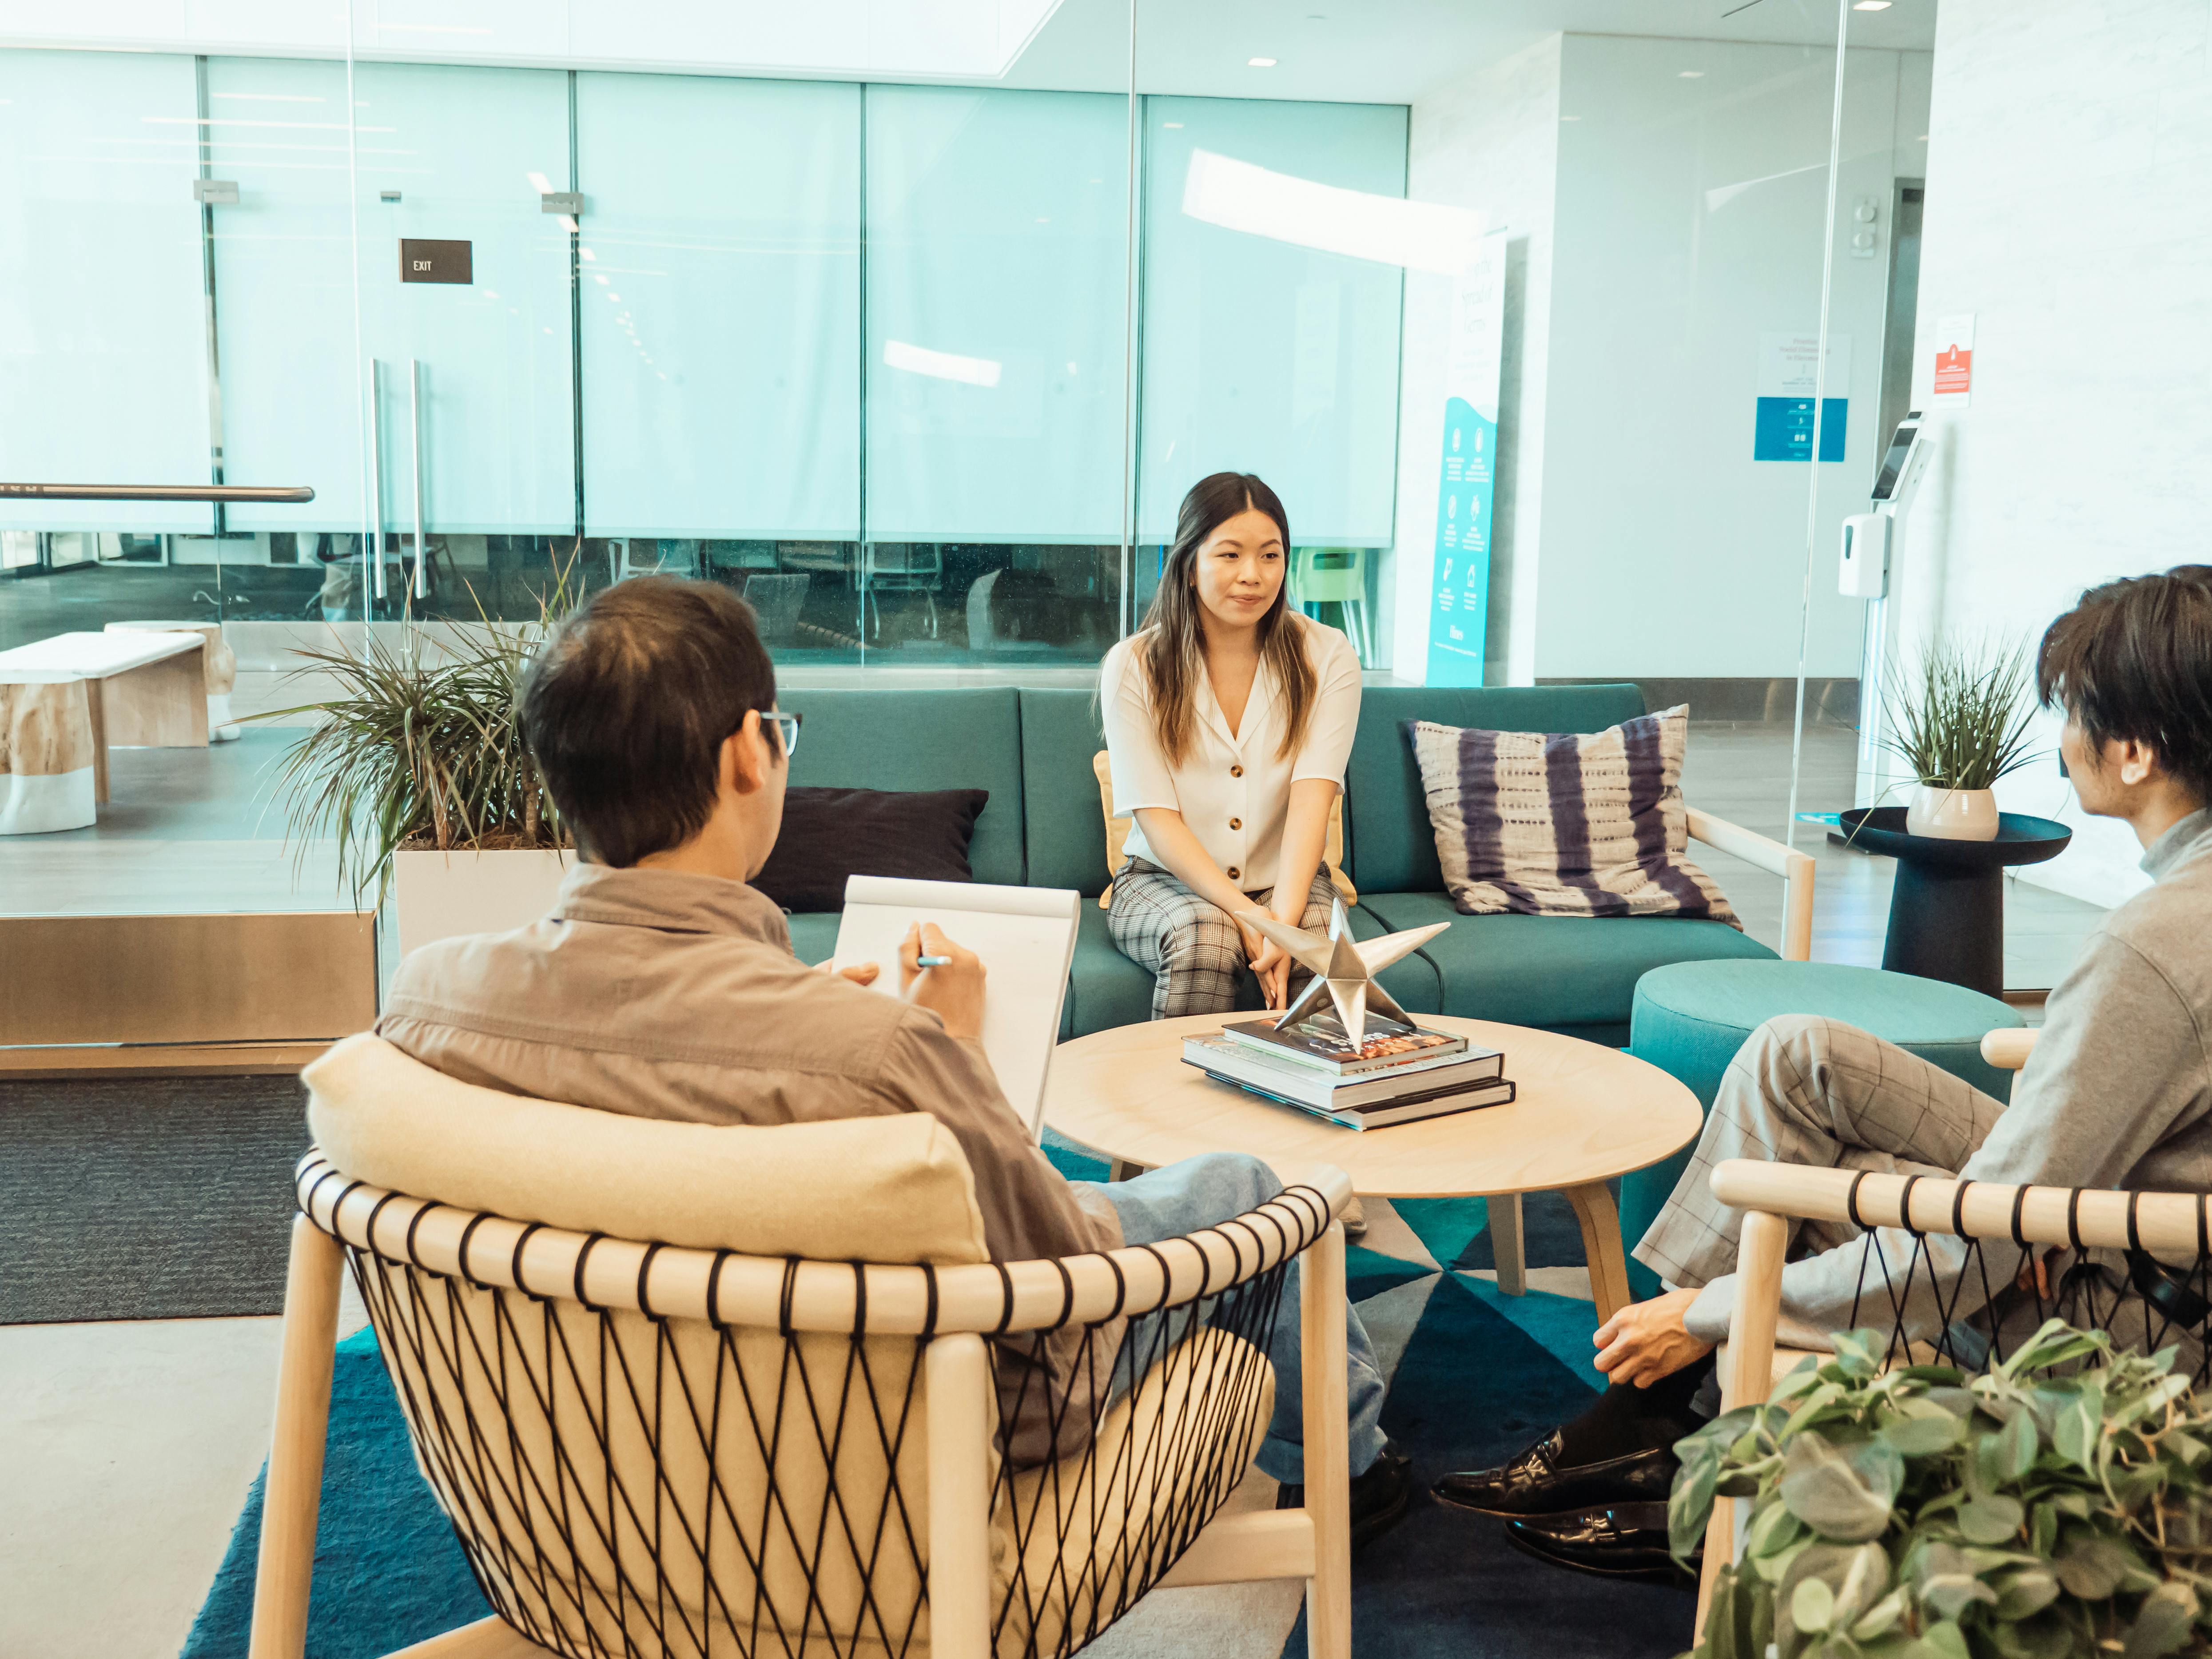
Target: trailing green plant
x,y
1920,1513
1963,721
413,756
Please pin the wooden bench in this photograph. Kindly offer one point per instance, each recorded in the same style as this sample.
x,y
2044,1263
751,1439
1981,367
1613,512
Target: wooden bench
x,y
146,690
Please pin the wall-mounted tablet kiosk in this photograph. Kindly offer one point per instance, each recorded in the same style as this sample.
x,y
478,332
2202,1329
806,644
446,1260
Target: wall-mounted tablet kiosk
x,y
1873,540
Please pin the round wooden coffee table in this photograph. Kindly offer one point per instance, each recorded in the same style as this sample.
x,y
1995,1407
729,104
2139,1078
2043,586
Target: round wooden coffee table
x,y
1584,1114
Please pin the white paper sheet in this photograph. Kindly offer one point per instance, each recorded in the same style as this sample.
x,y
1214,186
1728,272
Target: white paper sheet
x,y
1026,937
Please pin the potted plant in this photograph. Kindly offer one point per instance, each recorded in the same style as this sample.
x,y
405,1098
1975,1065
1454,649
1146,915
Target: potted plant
x,y
1963,726
1917,1513
418,771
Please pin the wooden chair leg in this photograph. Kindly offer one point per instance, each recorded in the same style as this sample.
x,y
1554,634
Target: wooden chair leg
x,y
293,1492
1328,1445
957,1375
1747,1376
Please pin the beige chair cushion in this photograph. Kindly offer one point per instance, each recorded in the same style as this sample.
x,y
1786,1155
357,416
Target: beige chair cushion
x,y
873,1188
1117,836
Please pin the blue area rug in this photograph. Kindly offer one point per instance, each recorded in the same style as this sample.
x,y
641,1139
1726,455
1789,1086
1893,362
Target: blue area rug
x,y
1478,1375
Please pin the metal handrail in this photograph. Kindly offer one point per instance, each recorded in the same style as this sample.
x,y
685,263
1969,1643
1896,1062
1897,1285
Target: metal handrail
x,y
61,492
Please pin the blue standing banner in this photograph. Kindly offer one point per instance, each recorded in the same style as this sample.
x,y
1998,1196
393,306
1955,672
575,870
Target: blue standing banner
x,y
1467,474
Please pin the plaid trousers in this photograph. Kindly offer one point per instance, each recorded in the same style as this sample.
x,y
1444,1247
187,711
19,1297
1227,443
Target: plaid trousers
x,y
1191,945
1804,1090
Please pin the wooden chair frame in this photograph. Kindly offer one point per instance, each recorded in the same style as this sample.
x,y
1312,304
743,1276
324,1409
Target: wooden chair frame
x,y
1312,1543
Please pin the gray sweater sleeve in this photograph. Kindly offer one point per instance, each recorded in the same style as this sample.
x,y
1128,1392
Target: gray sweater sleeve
x,y
2113,1074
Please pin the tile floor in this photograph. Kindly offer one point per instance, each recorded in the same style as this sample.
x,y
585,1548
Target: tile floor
x,y
133,1443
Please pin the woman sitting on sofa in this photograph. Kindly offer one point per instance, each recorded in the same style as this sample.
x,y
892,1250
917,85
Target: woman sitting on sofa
x,y
1229,718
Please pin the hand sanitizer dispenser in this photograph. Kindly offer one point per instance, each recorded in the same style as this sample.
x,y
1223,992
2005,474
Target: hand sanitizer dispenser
x,y
1871,540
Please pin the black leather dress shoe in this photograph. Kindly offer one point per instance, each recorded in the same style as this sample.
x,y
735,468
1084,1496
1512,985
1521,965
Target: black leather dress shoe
x,y
1534,1484
1380,1497
1625,1541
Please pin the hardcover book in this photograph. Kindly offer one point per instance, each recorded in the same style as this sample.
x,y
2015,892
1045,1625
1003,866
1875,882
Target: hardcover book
x,y
1319,1040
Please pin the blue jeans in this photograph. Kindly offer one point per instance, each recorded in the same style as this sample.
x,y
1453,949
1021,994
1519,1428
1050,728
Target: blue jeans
x,y
1200,1192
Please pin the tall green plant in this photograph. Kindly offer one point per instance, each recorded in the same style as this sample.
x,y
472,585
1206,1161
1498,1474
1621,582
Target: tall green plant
x,y
405,755
1963,723
1920,1514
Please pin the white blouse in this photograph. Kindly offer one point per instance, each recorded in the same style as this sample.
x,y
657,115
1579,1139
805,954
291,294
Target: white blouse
x,y
1232,789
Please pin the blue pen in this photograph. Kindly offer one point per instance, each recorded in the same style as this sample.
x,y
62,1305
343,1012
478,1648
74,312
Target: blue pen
x,y
933,962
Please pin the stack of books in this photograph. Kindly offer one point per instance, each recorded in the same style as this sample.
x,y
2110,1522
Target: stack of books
x,y
1398,1074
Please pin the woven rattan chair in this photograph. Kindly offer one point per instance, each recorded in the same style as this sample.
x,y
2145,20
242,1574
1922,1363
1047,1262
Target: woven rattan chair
x,y
678,1446
2138,1264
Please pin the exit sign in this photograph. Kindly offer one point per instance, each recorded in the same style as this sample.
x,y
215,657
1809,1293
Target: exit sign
x,y
422,261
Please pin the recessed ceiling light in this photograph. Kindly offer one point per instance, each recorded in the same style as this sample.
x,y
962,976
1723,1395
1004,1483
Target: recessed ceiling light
x,y
1571,118
1260,63
1871,5
1692,74
1172,126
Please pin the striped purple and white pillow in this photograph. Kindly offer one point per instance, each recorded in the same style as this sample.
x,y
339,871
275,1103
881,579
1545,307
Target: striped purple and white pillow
x,y
1565,824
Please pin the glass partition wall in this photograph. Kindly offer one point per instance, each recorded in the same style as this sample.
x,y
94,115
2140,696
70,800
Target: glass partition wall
x,y
1538,359
867,352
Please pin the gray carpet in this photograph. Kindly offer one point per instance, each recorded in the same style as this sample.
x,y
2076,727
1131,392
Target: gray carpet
x,y
146,1198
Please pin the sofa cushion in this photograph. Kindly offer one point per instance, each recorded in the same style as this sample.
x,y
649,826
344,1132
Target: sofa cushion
x,y
829,835
1565,823
1064,840
814,934
1572,974
962,739
894,1188
1388,845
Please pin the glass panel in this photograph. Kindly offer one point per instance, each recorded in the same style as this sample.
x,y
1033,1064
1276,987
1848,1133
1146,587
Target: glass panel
x,y
104,376
474,354
720,323
997,261
283,261
1262,354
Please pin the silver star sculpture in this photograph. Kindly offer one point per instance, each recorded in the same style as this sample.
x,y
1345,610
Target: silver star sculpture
x,y
1343,968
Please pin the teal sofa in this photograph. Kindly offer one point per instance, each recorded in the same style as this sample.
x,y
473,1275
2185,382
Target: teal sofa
x,y
1031,749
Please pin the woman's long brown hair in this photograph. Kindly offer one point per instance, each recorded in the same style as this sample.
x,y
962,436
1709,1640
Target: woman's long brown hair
x,y
1173,653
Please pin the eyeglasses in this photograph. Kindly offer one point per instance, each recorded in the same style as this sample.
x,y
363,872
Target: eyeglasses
x,y
786,729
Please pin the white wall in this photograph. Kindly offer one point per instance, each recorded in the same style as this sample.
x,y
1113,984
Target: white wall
x,y
1672,194
1489,142
2069,209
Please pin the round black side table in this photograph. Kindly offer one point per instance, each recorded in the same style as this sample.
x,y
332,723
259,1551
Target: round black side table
x,y
1947,911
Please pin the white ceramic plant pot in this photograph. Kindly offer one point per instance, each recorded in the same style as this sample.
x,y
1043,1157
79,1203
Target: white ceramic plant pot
x,y
439,895
1953,814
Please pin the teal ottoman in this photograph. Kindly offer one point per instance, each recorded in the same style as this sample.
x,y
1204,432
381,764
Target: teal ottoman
x,y
1690,1018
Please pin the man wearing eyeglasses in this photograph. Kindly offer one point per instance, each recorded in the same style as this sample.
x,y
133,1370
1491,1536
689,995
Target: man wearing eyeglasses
x,y
663,985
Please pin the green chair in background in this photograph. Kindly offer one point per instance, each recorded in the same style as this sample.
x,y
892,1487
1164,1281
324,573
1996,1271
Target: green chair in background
x,y
1690,1017
1337,576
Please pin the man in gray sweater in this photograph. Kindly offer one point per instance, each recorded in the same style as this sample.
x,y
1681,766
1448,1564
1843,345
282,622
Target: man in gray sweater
x,y
2117,1092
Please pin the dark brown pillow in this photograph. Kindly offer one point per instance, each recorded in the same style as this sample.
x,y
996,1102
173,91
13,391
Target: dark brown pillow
x,y
920,834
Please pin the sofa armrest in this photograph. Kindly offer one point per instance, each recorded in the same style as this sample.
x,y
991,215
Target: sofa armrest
x,y
2009,1046
1795,868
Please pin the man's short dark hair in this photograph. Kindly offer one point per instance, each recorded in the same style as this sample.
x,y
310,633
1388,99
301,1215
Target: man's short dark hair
x,y
2134,659
627,708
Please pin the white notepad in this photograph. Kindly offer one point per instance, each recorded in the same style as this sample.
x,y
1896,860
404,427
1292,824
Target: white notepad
x,y
1026,937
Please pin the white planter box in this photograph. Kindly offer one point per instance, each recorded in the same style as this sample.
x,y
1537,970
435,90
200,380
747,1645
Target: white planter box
x,y
439,895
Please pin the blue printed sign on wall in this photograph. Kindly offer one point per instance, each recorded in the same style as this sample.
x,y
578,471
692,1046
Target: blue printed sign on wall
x,y
1784,429
1789,382
1465,490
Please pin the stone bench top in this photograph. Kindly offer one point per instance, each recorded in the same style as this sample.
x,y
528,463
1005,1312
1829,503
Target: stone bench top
x,y
97,656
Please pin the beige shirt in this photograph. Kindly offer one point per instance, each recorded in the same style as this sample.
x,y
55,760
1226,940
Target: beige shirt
x,y
677,996
1233,788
